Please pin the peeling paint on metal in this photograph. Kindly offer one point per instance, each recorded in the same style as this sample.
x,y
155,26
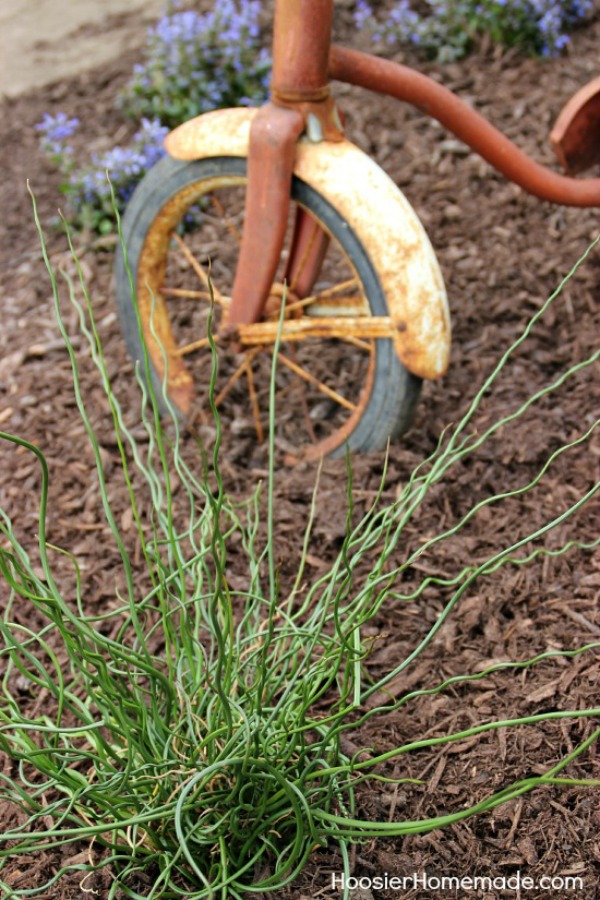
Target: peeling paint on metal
x,y
378,213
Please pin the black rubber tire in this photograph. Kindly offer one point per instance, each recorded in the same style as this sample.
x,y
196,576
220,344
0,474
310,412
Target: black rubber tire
x,y
395,391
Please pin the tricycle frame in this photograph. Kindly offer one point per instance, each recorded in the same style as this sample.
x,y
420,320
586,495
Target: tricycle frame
x,y
304,62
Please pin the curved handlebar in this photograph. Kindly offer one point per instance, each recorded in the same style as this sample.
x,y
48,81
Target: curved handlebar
x,y
386,77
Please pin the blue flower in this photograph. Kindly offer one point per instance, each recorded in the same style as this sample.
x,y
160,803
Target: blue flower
x,y
196,62
445,29
58,127
55,130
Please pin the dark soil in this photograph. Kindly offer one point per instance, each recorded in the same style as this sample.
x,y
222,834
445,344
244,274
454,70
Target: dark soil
x,y
502,253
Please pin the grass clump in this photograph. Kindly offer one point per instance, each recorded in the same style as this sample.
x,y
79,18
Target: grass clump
x,y
197,731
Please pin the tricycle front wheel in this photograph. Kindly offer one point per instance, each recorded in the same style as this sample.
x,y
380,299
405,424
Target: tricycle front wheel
x,y
334,386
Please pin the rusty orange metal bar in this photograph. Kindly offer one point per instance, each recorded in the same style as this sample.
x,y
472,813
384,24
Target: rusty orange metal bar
x,y
303,63
300,100
273,136
385,77
308,248
340,327
301,42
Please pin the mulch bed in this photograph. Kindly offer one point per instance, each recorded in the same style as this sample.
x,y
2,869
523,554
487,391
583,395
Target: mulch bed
x,y
502,253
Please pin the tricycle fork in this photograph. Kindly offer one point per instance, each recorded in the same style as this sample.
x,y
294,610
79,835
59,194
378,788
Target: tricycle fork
x,y
271,153
308,247
300,100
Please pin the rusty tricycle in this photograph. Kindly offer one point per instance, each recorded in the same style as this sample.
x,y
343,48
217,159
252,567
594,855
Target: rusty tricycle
x,y
251,206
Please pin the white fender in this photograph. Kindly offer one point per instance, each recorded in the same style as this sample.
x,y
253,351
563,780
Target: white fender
x,y
375,209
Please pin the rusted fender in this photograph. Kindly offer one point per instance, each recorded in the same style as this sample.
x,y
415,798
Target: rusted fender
x,y
377,212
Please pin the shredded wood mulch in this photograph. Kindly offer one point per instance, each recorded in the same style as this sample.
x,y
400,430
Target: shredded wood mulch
x,y
502,253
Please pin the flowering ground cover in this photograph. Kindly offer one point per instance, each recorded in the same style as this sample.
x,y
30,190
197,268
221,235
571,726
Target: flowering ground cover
x,y
448,30
502,253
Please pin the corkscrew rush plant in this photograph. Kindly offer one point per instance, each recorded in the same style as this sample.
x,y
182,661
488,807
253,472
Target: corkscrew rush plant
x,y
197,735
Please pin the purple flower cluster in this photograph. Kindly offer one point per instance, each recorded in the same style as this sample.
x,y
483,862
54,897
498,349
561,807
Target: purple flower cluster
x,y
555,19
193,63
196,62
448,29
88,188
125,166
54,132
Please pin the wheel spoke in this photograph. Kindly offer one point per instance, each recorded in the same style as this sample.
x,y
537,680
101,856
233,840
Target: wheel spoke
x,y
312,379
309,425
352,302
229,225
199,270
329,293
194,295
307,251
326,293
260,435
235,377
362,345
200,344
